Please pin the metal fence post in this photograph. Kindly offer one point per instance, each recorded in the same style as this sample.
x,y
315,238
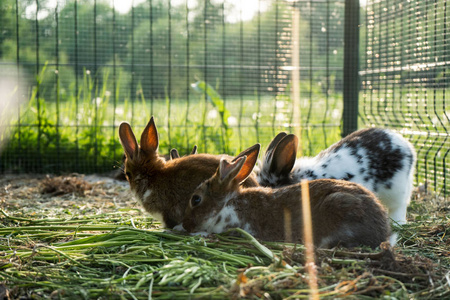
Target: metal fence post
x,y
351,67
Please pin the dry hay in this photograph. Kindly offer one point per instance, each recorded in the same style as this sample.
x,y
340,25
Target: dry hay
x,y
61,185
85,237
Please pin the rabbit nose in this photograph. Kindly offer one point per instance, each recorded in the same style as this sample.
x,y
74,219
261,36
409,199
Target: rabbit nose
x,y
179,227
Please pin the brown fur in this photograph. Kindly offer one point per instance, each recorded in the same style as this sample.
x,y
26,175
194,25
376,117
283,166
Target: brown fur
x,y
171,182
343,213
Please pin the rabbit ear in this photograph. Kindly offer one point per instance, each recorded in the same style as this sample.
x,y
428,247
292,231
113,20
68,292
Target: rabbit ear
x,y
128,140
284,155
252,157
275,142
272,146
174,154
229,170
194,150
251,153
149,137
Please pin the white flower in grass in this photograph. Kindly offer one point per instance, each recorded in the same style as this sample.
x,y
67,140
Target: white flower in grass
x,y
336,114
97,100
256,116
279,117
232,121
212,114
195,86
119,111
279,104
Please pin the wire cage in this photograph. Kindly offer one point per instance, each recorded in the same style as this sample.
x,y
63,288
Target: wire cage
x,y
405,80
213,73
220,74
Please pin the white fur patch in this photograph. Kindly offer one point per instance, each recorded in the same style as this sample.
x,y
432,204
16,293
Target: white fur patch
x,y
224,219
393,239
179,227
333,165
146,194
200,233
348,232
331,239
247,228
136,196
157,216
325,242
263,174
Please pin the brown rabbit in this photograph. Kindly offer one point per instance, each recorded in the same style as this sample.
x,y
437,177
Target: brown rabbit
x,y
173,154
343,213
164,187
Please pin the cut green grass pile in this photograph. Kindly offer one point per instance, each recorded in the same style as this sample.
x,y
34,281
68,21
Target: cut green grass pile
x,y
92,250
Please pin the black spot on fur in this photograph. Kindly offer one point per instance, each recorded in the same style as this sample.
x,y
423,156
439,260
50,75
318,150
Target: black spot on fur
x,y
348,176
359,157
279,181
362,171
282,181
228,219
218,220
324,166
366,179
310,174
388,185
384,159
324,175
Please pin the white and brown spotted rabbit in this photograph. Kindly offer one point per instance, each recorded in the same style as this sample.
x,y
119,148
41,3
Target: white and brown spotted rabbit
x,y
379,159
343,213
163,186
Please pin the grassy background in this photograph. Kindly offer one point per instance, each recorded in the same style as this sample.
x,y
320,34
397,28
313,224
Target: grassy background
x,y
78,131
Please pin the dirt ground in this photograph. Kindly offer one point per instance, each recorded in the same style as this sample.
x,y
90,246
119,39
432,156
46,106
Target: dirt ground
x,y
105,193
59,195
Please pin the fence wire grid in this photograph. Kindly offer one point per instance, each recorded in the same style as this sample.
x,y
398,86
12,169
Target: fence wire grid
x,y
213,73
405,80
219,74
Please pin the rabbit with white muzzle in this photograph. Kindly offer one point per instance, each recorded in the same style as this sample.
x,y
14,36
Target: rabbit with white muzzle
x,y
163,186
379,159
343,213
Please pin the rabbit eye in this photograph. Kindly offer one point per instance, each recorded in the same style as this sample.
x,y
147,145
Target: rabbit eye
x,y
195,200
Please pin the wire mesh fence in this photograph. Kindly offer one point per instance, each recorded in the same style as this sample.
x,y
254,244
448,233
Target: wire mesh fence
x,y
405,81
219,74
214,73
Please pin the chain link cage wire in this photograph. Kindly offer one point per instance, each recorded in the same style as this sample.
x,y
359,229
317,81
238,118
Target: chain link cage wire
x,y
213,73
405,80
